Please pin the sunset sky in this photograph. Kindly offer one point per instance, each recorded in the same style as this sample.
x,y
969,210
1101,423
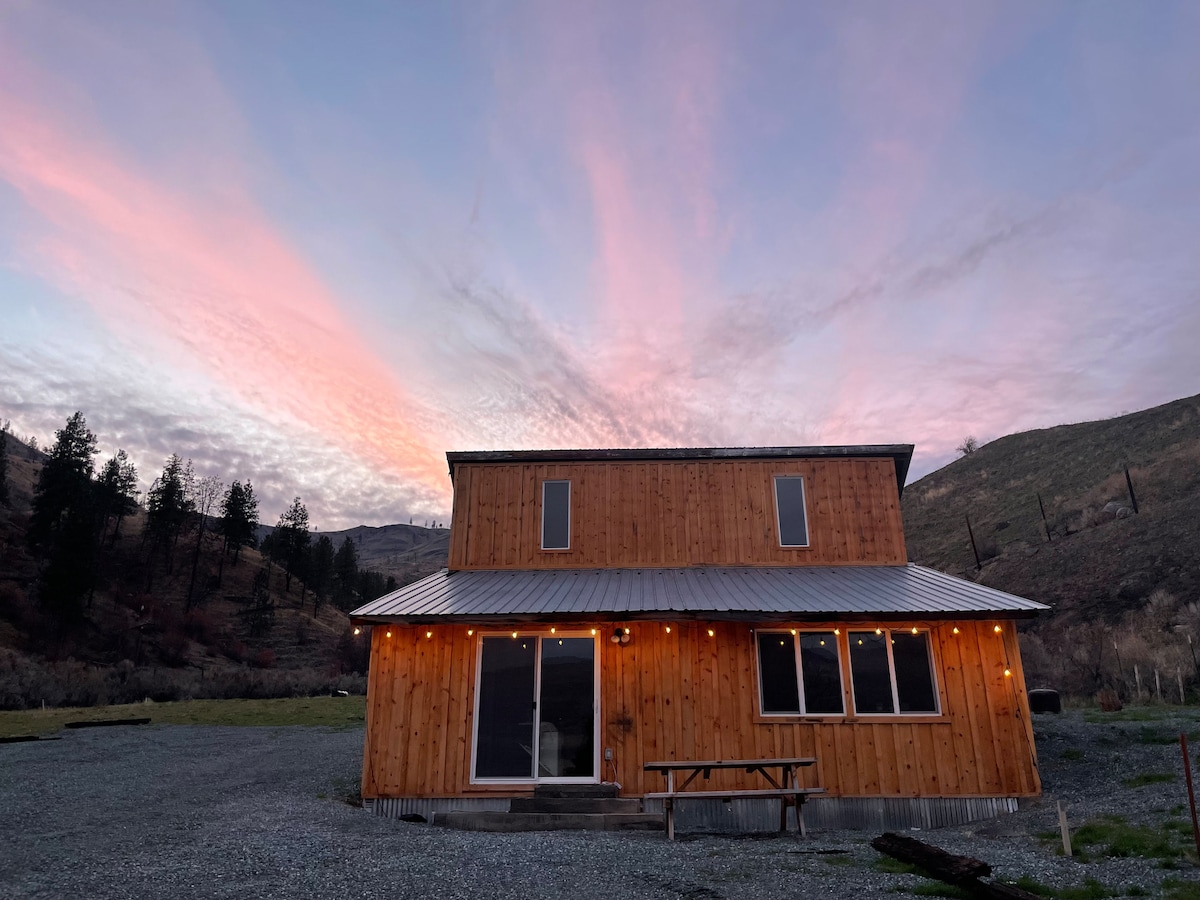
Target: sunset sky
x,y
319,244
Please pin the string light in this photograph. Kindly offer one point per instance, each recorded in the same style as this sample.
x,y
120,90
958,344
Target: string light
x,y
956,629
793,632
837,631
879,631
554,631
357,630
428,635
668,629
914,629
711,632
593,632
627,631
389,634
470,632
996,629
1008,673
514,635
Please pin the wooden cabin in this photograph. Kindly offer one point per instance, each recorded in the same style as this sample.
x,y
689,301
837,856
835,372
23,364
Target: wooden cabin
x,y
605,609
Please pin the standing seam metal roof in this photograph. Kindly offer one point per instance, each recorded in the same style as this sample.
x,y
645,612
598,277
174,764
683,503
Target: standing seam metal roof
x,y
740,591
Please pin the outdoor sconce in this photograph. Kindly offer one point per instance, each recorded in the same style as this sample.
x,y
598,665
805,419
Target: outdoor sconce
x,y
620,636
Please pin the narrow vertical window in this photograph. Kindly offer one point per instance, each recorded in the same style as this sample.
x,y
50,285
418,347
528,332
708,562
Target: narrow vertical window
x,y
777,672
822,673
790,514
914,672
556,515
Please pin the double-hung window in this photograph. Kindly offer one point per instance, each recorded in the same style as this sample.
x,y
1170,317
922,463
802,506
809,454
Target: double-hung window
x,y
799,673
556,515
892,672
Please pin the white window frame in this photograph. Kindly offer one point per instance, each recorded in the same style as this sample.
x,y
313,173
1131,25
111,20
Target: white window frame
x,y
567,482
799,671
887,642
804,509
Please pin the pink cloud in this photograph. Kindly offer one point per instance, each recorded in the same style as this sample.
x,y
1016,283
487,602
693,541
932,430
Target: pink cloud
x,y
209,275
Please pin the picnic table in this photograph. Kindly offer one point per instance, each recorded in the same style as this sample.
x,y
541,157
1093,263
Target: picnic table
x,y
786,787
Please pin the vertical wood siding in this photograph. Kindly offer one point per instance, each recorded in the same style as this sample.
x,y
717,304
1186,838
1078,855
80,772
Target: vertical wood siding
x,y
685,695
634,514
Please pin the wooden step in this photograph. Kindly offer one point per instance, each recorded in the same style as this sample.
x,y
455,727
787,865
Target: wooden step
x,y
536,804
516,821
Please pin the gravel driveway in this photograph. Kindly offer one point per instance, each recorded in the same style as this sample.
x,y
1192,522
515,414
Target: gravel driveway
x,y
181,812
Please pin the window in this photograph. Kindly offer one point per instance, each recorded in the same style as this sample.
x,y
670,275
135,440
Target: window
x,y
556,515
799,674
892,672
790,514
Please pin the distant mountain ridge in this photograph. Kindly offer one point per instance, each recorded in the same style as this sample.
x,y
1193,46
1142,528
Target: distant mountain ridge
x,y
407,552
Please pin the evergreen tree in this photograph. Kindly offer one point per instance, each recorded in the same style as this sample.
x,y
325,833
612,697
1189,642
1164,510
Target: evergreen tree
x,y
204,500
62,527
117,489
168,506
64,484
291,540
345,574
239,518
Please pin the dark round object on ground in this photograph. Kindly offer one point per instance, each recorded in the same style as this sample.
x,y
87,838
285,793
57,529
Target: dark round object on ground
x,y
1044,700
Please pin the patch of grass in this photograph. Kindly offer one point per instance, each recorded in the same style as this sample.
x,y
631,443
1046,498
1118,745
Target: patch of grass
x,y
1148,778
1089,890
1158,737
1112,836
893,866
1174,889
328,712
1072,753
1128,714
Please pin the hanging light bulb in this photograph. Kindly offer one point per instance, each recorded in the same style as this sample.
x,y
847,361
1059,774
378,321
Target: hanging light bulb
x,y
956,629
668,629
470,632
793,632
914,629
593,632
879,631
514,635
357,630
997,629
428,635
711,632
389,633
1008,673
553,630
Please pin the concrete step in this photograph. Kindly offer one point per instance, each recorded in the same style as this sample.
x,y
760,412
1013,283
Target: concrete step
x,y
537,804
565,791
502,821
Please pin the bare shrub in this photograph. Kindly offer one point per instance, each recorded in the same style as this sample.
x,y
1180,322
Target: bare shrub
x,y
265,659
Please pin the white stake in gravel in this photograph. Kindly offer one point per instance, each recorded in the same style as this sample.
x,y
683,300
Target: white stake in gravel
x,y
1066,831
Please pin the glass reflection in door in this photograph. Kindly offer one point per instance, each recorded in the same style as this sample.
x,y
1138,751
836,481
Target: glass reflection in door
x,y
566,710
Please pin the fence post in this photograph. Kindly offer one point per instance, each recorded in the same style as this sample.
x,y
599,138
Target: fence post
x,y
974,549
1045,524
1132,496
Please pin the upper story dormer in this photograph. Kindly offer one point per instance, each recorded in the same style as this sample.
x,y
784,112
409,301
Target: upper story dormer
x,y
758,506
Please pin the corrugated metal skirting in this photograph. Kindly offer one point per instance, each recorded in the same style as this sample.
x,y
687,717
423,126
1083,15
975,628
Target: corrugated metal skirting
x,y
825,813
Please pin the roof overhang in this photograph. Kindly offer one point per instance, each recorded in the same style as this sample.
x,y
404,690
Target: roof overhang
x,y
745,593
900,454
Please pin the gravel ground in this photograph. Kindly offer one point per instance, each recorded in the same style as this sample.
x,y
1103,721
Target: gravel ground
x,y
185,812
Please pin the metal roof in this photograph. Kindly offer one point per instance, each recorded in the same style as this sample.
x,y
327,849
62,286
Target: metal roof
x,y
901,455
742,592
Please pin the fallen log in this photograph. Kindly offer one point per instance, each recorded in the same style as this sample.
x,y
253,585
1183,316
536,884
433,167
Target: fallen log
x,y
961,871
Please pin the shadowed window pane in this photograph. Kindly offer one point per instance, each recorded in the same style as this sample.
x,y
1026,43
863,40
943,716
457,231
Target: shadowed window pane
x,y
556,515
505,736
777,672
914,674
789,506
870,673
822,673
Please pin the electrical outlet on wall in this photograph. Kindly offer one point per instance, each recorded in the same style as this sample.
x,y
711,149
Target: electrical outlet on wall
x,y
608,754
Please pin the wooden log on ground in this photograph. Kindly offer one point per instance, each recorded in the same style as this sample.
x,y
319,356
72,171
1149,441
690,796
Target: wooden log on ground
x,y
934,860
102,723
963,871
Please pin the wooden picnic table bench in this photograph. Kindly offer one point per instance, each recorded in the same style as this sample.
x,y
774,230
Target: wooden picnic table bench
x,y
786,788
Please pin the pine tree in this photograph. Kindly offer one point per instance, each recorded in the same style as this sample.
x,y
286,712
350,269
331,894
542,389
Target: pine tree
x,y
321,571
239,518
117,487
204,499
291,533
62,526
168,506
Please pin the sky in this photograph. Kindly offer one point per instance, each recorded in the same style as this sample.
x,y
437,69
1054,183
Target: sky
x,y
316,245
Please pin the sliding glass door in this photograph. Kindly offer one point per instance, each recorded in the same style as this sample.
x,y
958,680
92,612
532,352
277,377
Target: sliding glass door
x,y
536,701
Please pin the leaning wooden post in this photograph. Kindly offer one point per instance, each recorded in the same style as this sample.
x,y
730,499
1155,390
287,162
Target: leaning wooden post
x,y
1129,483
974,549
1045,524
1187,770
1064,829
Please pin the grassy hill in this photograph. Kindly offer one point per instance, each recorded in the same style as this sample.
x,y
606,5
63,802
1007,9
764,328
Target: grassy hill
x,y
1124,587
